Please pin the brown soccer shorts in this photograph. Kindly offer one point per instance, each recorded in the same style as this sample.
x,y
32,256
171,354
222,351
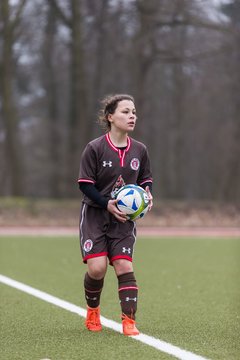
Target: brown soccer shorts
x,y
101,234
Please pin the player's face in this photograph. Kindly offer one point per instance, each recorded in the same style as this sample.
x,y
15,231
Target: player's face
x,y
124,117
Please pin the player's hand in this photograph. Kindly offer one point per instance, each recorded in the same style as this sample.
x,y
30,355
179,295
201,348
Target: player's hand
x,y
119,215
150,198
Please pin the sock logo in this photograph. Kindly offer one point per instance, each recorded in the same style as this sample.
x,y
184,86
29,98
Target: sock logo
x,y
93,299
130,299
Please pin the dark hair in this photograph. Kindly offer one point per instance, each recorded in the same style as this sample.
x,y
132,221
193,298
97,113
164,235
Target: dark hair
x,y
110,104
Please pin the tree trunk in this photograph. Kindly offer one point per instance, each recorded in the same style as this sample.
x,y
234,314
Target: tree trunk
x,y
78,125
52,108
78,117
13,156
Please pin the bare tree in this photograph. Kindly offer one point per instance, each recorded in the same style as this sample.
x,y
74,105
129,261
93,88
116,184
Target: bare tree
x,y
96,37
174,38
78,100
53,122
230,188
14,163
179,60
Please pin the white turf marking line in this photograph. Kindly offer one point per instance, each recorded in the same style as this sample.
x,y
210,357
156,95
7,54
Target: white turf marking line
x,y
146,339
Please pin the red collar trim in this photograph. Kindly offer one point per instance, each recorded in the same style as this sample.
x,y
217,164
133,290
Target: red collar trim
x,y
114,147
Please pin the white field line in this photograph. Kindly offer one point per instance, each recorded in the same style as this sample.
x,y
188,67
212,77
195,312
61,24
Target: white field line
x,y
146,339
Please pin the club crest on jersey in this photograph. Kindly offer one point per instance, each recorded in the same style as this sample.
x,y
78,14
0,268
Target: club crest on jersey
x,y
135,163
107,163
88,244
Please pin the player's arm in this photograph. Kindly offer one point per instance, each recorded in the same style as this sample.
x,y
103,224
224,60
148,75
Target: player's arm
x,y
147,184
92,193
87,177
150,198
145,177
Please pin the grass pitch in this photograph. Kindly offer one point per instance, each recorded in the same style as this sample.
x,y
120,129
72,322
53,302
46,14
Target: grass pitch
x,y
189,296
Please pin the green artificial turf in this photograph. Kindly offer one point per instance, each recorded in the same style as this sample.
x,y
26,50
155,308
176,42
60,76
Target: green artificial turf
x,y
188,296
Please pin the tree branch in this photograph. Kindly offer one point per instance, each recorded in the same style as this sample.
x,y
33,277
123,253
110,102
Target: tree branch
x,y
16,20
195,22
60,13
166,56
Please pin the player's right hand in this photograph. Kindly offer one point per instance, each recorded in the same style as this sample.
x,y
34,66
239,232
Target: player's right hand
x,y
119,215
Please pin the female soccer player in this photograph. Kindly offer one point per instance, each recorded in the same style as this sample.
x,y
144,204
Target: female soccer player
x,y
107,163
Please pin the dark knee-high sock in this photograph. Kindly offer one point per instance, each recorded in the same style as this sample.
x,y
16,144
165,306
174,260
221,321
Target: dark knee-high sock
x,y
128,294
93,289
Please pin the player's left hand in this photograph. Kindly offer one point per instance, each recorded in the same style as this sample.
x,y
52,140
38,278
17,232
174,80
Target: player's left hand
x,y
150,198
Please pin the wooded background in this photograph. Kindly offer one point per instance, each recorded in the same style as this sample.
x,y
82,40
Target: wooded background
x,y
180,59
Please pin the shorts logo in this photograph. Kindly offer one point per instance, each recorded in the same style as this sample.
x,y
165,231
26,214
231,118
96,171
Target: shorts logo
x,y
87,246
126,250
135,163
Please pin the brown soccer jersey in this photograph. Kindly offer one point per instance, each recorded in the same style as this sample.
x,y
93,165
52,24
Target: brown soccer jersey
x,y
109,168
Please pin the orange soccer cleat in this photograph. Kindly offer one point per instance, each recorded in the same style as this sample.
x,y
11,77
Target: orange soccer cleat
x,y
129,326
93,319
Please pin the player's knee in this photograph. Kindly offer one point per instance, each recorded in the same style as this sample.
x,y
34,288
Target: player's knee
x,y
122,266
97,270
97,273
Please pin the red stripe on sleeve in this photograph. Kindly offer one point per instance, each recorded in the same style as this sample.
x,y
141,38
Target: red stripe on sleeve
x,y
86,180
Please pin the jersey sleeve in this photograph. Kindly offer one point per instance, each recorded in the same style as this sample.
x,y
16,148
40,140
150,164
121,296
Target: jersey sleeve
x,y
88,164
145,174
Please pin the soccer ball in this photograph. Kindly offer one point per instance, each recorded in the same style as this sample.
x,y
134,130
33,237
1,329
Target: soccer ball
x,y
133,201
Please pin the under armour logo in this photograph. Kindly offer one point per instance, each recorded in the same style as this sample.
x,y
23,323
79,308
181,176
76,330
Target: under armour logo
x,y
124,250
88,298
131,299
107,163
